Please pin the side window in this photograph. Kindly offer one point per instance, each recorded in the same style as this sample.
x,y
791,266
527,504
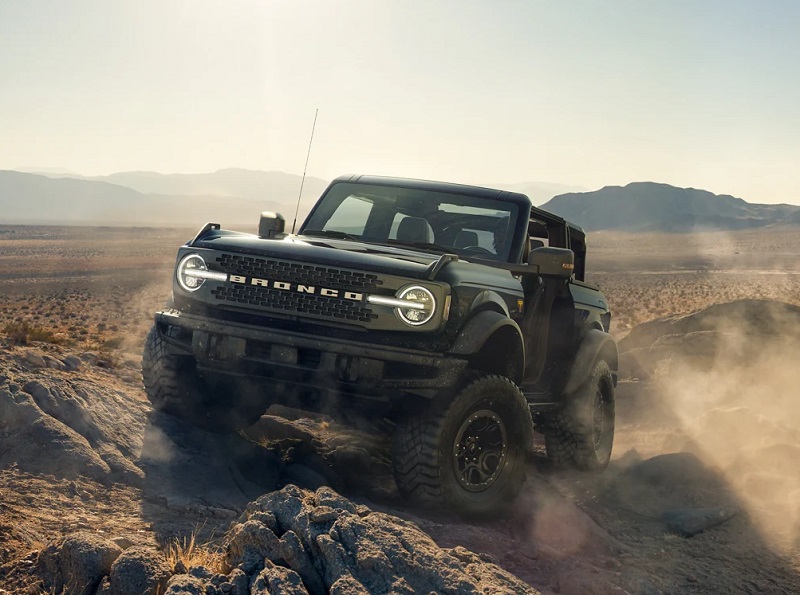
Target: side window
x,y
351,216
538,233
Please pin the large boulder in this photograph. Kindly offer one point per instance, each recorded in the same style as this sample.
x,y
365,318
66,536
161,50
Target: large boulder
x,y
39,443
755,318
70,429
140,570
297,541
75,564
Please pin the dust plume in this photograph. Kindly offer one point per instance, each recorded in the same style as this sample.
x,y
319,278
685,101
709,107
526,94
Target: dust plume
x,y
730,378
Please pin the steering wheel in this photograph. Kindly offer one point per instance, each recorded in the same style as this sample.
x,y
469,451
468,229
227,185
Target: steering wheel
x,y
476,250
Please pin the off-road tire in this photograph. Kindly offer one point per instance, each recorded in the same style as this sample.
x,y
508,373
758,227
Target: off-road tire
x,y
169,382
581,435
173,386
425,451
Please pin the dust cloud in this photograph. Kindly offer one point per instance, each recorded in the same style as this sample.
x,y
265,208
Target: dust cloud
x,y
736,405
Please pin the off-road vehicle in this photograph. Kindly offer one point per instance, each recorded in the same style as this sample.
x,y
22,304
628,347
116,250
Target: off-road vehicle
x,y
459,314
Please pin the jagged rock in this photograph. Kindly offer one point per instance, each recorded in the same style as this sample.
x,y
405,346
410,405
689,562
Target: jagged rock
x,y
294,414
53,363
39,443
250,544
277,579
238,582
121,467
139,570
296,557
96,413
72,363
271,428
679,468
183,584
72,429
751,317
34,359
691,521
123,542
319,543
90,358
77,563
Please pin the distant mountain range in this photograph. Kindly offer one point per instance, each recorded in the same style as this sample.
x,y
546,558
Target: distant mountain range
x,y
253,185
229,196
647,206
236,197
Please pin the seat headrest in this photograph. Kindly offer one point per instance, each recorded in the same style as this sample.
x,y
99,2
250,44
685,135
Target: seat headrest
x,y
465,238
415,229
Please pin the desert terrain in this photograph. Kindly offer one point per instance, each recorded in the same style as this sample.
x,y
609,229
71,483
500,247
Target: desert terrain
x,y
702,495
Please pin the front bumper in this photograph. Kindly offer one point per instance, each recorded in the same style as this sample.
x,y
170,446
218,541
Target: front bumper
x,y
325,363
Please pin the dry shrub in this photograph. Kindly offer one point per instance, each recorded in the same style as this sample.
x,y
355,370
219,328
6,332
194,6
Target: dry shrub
x,y
183,553
23,333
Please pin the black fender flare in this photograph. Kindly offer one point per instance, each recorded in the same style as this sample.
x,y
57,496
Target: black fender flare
x,y
489,300
474,334
596,345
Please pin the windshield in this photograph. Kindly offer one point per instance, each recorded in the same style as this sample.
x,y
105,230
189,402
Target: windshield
x,y
440,221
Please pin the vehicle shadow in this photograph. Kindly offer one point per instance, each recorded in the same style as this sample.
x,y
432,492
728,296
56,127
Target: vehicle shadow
x,y
198,481
568,531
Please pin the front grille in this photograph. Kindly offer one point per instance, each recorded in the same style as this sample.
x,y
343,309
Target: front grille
x,y
301,303
297,272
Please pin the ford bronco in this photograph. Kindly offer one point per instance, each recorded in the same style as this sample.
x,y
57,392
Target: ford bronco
x,y
458,313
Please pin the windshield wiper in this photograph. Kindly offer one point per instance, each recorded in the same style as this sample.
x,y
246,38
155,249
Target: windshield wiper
x,y
330,233
423,245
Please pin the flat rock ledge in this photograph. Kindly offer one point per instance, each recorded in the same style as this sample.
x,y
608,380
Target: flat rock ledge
x,y
292,541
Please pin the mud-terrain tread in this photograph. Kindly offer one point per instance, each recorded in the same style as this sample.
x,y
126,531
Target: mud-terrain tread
x,y
415,463
417,460
173,386
568,440
164,387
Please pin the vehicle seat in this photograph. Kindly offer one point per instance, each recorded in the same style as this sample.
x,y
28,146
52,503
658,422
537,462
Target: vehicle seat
x,y
465,239
415,229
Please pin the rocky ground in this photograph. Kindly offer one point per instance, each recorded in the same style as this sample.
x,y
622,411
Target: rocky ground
x,y
99,494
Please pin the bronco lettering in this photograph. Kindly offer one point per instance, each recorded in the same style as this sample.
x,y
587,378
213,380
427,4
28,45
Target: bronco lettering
x,y
353,296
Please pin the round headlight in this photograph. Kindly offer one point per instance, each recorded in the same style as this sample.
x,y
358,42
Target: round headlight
x,y
420,308
188,269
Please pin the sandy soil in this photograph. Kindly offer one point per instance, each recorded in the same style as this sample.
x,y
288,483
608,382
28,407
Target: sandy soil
x,y
96,288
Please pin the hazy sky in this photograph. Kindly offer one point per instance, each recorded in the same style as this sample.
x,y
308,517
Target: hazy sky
x,y
589,93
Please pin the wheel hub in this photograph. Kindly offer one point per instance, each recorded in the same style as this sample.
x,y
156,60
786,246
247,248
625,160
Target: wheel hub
x,y
480,450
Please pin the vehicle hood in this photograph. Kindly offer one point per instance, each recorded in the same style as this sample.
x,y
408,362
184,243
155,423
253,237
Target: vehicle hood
x,y
377,258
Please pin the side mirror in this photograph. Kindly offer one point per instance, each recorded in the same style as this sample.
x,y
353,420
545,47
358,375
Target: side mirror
x,y
270,225
552,262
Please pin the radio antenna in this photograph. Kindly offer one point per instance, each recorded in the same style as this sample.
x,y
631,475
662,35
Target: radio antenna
x,y
303,180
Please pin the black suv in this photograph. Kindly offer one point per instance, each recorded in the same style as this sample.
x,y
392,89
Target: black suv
x,y
458,313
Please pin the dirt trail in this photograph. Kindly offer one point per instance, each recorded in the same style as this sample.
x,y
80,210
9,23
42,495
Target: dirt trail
x,y
80,450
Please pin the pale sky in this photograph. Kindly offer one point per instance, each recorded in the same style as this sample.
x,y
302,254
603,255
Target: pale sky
x,y
694,93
